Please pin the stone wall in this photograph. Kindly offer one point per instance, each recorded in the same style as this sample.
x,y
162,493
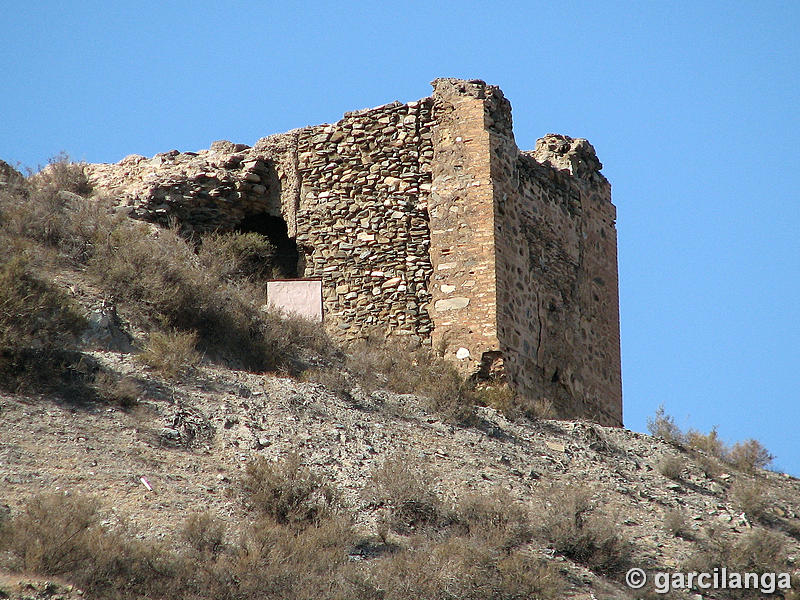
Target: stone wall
x,y
558,316
463,289
362,218
425,220
354,196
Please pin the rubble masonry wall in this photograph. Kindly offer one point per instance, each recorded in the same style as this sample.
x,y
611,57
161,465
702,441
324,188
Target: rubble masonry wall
x,y
425,220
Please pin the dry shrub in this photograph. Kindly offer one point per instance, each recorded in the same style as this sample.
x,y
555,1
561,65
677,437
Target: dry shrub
x,y
63,536
749,456
711,467
499,520
53,535
333,379
502,398
37,212
404,485
235,256
155,274
33,312
58,535
204,533
159,270
757,551
464,568
38,324
281,561
710,442
677,523
171,353
671,466
663,425
573,528
62,174
750,498
287,492
497,396
538,408
64,373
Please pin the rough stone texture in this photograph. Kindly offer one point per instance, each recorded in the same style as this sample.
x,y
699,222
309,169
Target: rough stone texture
x,y
558,310
424,219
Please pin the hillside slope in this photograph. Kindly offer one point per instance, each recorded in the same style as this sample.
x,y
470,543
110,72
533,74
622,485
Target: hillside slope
x,y
308,477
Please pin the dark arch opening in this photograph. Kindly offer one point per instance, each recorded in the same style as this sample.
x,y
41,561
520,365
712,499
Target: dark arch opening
x,y
276,231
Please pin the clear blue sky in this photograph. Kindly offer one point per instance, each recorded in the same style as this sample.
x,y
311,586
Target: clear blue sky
x,y
692,107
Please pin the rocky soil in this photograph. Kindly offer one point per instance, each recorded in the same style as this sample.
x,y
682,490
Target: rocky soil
x,y
190,441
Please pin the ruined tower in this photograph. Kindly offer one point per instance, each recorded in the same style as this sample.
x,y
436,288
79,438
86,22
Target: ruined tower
x,y
426,220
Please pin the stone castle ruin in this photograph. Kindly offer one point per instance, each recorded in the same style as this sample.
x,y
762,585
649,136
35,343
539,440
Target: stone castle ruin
x,y
425,219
